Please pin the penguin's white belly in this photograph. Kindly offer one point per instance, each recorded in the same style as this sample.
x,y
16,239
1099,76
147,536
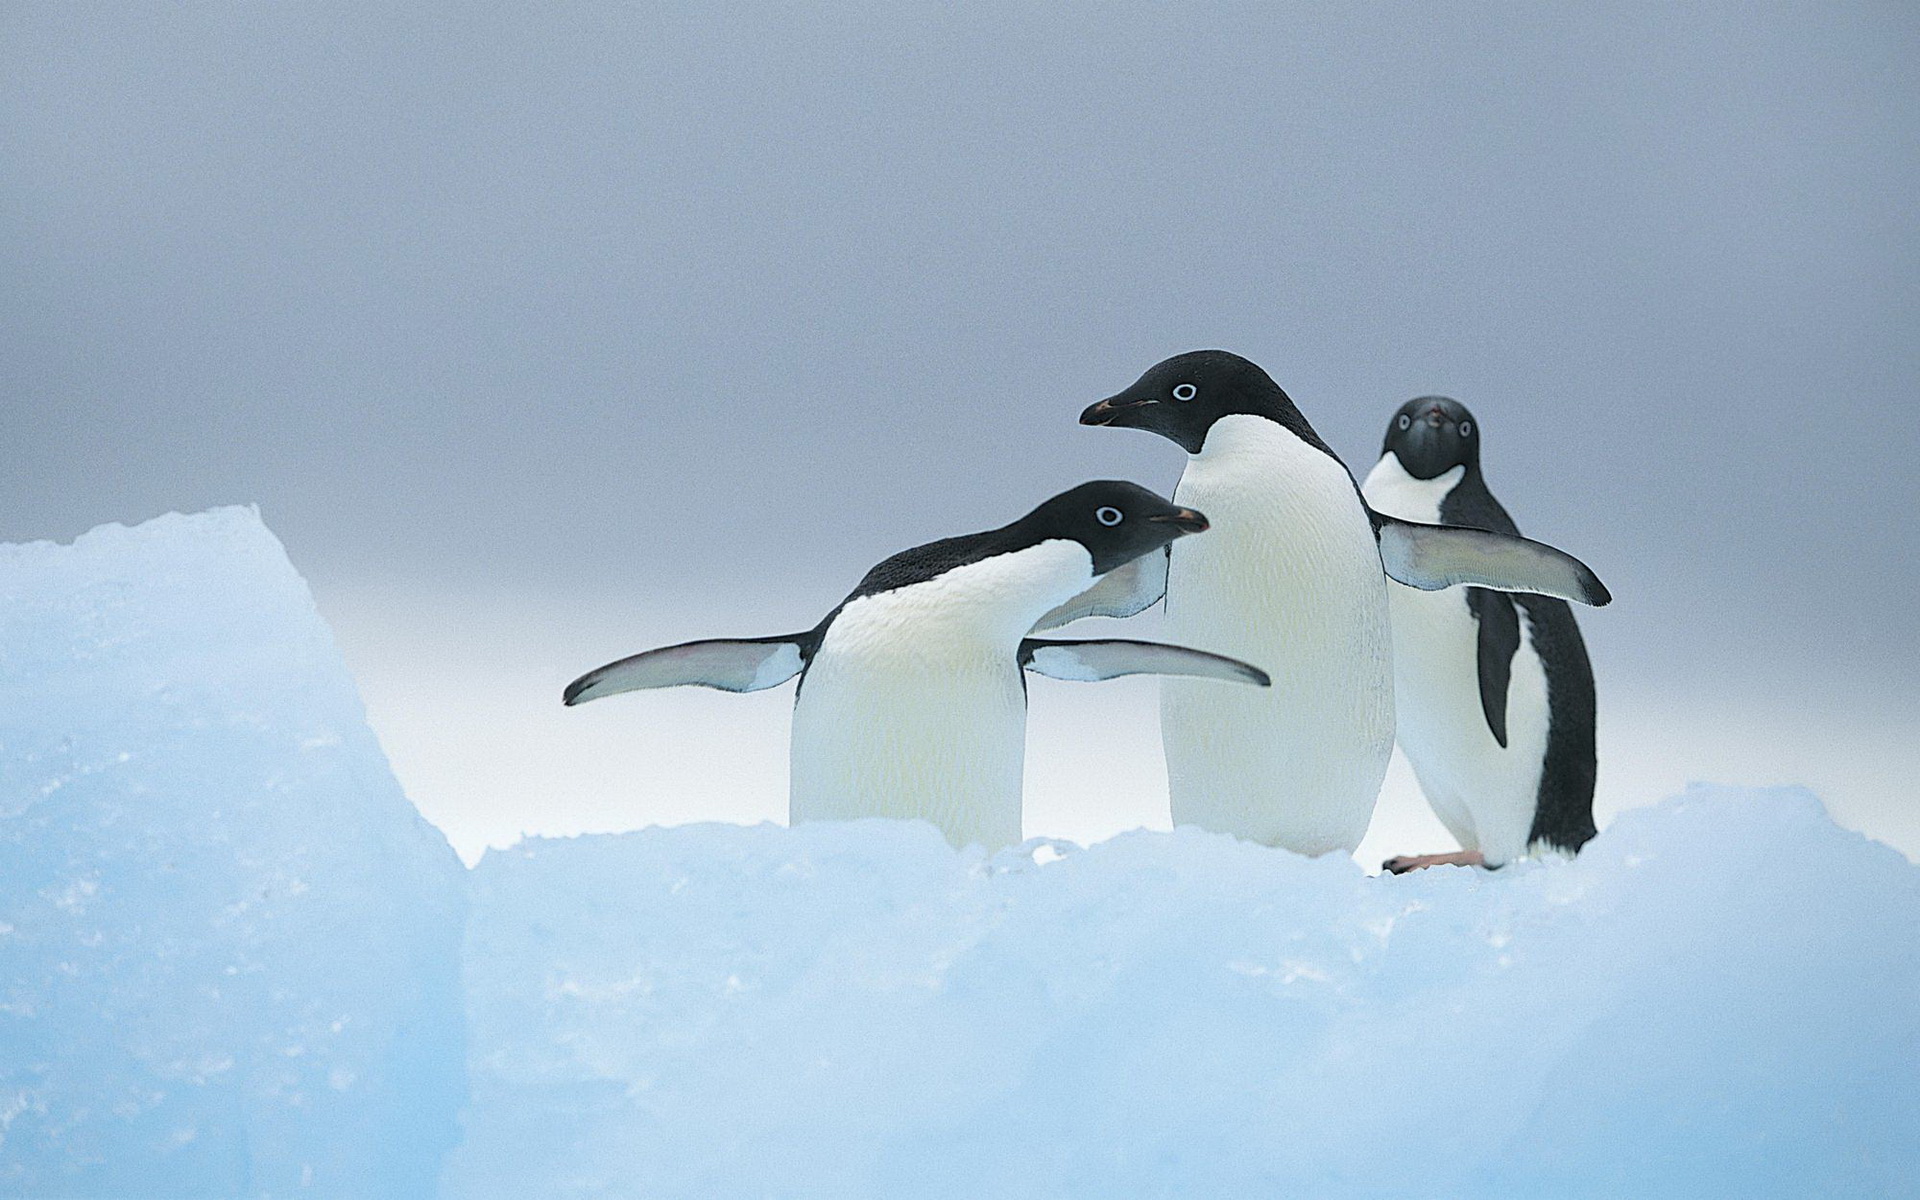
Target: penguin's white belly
x,y
941,740
1288,579
1483,793
913,706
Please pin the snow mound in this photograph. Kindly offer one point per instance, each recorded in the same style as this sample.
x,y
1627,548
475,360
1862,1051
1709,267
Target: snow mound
x,y
228,945
232,964
1717,998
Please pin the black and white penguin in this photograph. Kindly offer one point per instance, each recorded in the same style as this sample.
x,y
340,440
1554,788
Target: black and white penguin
x,y
912,701
1494,692
1294,577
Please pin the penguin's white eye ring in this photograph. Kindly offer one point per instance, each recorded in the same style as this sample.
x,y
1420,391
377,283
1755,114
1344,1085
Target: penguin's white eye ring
x,y
1108,515
1185,391
1466,429
1406,422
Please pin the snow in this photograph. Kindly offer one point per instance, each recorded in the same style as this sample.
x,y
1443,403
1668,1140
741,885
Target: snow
x,y
228,945
1718,997
231,963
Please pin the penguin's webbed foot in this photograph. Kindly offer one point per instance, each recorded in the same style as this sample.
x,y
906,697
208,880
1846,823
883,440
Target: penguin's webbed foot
x,y
1403,863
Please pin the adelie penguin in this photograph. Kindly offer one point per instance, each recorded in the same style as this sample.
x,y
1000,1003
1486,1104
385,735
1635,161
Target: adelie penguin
x,y
1494,692
1293,577
912,701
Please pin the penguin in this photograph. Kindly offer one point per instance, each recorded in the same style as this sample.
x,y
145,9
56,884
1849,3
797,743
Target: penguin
x,y
912,697
1494,692
1294,577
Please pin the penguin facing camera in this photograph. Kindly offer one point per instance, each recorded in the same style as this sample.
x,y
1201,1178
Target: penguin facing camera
x,y
1494,692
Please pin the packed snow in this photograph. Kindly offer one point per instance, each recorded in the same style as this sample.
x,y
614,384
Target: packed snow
x,y
1721,996
234,962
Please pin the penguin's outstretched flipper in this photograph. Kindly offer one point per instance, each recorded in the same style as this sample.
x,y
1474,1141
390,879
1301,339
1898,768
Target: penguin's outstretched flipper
x,y
1121,592
1109,658
1431,557
732,665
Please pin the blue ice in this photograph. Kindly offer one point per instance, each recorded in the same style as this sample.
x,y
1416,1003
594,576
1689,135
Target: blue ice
x,y
235,962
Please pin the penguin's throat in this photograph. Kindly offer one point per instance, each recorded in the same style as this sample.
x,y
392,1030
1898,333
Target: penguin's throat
x,y
1238,436
1391,489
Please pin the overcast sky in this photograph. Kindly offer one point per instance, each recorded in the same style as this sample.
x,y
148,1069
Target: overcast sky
x,y
684,315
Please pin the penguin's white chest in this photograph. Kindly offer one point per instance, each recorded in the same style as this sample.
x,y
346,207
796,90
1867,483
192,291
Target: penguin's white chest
x,y
913,707
1485,794
1289,579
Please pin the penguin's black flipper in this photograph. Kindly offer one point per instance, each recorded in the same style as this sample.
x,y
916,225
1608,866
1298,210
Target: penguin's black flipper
x,y
1499,641
1109,658
1121,592
732,665
1431,557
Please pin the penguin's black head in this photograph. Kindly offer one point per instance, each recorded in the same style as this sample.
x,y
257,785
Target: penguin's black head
x,y
1116,521
1181,398
1432,435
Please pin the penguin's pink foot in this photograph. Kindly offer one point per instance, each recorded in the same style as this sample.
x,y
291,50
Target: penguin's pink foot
x,y
1415,862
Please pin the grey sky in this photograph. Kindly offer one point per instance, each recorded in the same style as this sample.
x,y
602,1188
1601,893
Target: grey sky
x,y
654,307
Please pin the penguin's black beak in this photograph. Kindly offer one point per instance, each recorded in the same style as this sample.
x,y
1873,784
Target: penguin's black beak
x,y
1112,410
1428,427
1186,520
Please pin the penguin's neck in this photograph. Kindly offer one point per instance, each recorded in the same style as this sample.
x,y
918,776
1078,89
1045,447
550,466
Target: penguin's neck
x,y
1389,489
990,603
1278,409
1245,442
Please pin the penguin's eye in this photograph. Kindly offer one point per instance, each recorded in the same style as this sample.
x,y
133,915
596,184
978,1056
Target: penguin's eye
x,y
1406,422
1107,514
1466,429
1185,391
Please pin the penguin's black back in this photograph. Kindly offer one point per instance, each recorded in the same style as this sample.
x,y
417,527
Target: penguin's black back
x,y
1563,810
916,564
1112,520
921,563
